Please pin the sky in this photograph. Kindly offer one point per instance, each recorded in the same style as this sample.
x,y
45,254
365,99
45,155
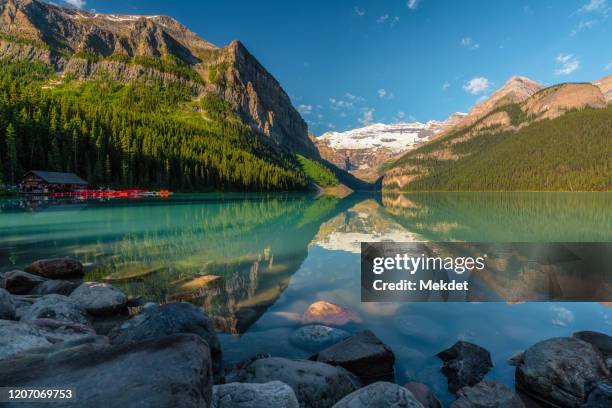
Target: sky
x,y
346,64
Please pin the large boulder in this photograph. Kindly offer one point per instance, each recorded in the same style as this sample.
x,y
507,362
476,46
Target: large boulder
x,y
329,314
58,287
20,282
380,395
99,299
57,268
173,371
56,307
273,394
487,394
600,396
316,385
560,371
317,337
600,341
423,394
19,337
157,321
7,306
465,365
363,354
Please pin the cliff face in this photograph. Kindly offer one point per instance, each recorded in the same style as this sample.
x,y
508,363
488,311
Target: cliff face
x,y
127,48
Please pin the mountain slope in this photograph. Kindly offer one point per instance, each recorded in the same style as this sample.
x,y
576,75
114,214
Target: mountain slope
x,y
556,139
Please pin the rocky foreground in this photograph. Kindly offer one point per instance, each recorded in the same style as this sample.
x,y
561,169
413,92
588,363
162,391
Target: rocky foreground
x,y
58,331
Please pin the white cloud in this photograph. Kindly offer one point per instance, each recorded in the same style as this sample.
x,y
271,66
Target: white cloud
x,y
382,92
305,109
367,116
359,11
445,85
382,18
469,43
600,6
412,4
566,64
584,25
401,115
562,316
476,85
76,3
353,98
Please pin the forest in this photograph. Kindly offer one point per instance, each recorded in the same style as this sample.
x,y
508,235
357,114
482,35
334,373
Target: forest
x,y
136,135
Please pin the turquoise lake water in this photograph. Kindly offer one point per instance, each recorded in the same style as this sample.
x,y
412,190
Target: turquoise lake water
x,y
255,263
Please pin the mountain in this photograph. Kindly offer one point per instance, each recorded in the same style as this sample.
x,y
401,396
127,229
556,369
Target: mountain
x,y
605,85
362,150
523,138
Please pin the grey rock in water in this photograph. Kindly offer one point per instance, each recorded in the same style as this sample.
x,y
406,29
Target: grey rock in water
x,y
600,341
316,385
465,365
560,371
99,299
20,282
58,287
363,354
273,394
158,321
600,396
487,394
56,307
57,268
173,371
423,394
317,337
7,306
380,395
19,337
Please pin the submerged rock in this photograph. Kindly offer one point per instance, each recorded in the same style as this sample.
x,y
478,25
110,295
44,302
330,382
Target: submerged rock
x,y
465,365
328,314
487,394
7,306
560,371
363,354
58,287
56,307
423,394
273,394
600,396
173,371
99,299
158,321
317,337
20,282
600,341
57,268
316,385
19,337
379,395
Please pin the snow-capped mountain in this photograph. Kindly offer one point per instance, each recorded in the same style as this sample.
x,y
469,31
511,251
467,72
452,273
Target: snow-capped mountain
x,y
362,150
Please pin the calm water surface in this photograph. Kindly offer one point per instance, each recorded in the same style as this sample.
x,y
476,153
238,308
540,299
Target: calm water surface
x,y
255,262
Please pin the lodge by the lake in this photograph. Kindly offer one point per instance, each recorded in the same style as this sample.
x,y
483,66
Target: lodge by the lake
x,y
51,181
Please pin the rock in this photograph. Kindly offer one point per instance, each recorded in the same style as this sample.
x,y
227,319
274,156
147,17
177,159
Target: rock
x,y
20,282
56,307
316,385
465,365
600,341
57,268
328,314
58,287
380,395
600,396
173,371
516,358
99,299
19,337
158,321
487,394
363,354
7,306
560,371
423,394
317,337
273,394
23,303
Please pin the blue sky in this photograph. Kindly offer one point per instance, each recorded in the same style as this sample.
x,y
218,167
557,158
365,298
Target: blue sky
x,y
349,63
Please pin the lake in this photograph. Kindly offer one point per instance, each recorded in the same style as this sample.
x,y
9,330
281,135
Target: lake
x,y
255,262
